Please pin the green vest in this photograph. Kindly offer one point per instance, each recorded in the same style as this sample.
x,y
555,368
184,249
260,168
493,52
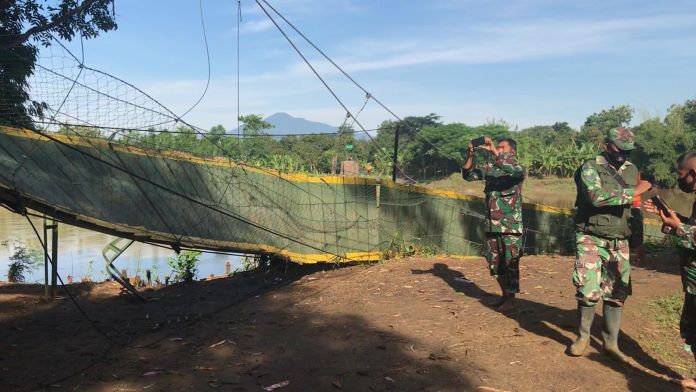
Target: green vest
x,y
611,221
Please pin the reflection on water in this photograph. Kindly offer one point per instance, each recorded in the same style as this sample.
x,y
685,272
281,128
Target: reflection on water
x,y
79,253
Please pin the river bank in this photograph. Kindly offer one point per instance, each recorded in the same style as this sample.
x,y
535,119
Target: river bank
x,y
80,253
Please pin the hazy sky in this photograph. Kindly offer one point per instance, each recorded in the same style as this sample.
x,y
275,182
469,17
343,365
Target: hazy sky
x,y
526,62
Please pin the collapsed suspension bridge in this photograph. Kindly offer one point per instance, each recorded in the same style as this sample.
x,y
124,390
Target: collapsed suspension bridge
x,y
87,158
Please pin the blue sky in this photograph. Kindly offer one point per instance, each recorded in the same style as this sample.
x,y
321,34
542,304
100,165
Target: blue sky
x,y
525,62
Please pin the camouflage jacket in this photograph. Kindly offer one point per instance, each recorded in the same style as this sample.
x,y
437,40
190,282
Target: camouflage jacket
x,y
685,238
504,177
604,197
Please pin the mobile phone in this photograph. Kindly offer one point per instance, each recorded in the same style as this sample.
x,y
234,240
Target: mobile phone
x,y
660,204
478,142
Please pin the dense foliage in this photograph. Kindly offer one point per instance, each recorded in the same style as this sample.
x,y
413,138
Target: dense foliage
x,y
430,149
26,23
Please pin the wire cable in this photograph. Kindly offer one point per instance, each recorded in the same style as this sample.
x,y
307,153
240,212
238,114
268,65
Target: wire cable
x,y
239,20
316,73
207,53
185,197
70,295
346,74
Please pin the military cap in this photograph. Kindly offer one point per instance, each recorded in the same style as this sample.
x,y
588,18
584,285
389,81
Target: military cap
x,y
622,137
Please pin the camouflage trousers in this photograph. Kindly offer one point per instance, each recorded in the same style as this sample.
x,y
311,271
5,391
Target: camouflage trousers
x,y
687,324
602,269
503,252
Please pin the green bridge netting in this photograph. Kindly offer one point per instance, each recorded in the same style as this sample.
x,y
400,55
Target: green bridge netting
x,y
174,198
179,199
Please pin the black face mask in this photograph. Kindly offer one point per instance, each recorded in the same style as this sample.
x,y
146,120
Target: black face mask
x,y
685,185
617,158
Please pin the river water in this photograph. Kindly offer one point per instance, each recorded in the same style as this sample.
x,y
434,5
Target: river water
x,y
79,253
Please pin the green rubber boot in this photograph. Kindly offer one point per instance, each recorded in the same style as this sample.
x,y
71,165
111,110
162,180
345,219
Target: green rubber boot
x,y
585,318
610,333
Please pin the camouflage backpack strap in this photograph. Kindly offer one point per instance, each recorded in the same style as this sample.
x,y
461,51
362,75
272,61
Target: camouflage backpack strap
x,y
615,173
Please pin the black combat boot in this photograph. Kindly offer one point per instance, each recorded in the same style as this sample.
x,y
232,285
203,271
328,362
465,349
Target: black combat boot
x,y
585,318
610,333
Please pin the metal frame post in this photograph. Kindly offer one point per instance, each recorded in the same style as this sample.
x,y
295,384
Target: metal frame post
x,y
54,258
46,262
396,153
52,225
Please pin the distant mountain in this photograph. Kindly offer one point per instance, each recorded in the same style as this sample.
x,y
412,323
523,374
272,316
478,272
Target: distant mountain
x,y
287,124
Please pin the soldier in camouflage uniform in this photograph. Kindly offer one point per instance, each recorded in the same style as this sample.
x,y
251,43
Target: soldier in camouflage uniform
x,y
683,235
503,244
606,187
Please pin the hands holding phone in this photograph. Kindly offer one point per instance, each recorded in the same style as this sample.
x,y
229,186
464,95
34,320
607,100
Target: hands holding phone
x,y
485,143
657,205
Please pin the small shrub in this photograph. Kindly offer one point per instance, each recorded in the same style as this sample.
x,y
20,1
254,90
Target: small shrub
x,y
400,248
88,274
22,260
184,265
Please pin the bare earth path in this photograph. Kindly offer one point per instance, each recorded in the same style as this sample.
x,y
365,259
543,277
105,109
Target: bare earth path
x,y
419,324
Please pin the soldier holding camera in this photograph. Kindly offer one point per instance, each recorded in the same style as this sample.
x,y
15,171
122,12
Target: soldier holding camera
x,y
503,246
606,188
682,232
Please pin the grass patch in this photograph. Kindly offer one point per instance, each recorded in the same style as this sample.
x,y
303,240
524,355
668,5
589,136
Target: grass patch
x,y
662,339
667,310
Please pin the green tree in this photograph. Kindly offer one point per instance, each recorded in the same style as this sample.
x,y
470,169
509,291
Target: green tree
x,y
441,149
214,140
660,142
409,127
254,124
690,113
551,150
23,24
310,150
597,124
256,146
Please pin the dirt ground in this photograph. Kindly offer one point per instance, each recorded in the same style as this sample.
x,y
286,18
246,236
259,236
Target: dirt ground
x,y
418,324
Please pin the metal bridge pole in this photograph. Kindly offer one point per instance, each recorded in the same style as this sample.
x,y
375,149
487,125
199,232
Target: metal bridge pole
x,y
396,152
52,225
46,262
54,257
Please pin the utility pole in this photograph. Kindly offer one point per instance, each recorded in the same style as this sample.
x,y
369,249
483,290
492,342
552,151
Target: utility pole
x,y
396,152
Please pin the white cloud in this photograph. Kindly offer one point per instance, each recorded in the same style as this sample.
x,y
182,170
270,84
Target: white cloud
x,y
511,43
491,44
295,89
256,26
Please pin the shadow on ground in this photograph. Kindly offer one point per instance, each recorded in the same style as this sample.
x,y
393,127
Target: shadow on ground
x,y
239,334
538,318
